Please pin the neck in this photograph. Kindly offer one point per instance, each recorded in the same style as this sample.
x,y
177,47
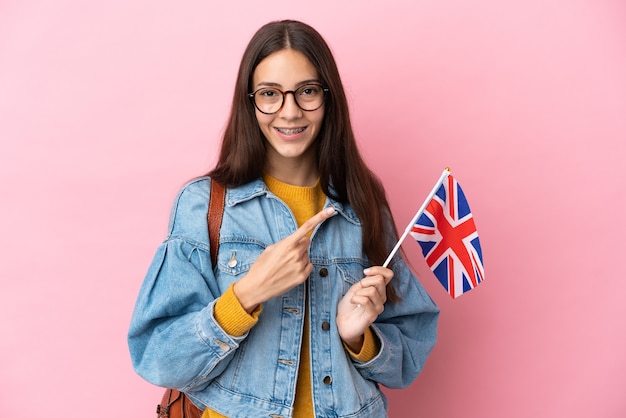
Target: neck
x,y
295,171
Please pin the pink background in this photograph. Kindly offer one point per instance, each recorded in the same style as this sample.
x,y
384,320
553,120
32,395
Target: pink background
x,y
107,108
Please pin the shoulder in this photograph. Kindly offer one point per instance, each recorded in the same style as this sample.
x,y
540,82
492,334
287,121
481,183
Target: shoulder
x,y
189,210
197,188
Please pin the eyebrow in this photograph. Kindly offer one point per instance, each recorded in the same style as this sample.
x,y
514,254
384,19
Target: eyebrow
x,y
299,84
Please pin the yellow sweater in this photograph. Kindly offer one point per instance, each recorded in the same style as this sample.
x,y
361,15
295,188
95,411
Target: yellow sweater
x,y
304,202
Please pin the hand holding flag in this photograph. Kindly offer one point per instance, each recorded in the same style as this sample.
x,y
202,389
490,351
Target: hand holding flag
x,y
445,229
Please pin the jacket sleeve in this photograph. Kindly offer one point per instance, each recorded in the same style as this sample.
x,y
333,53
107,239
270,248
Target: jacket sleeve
x,y
407,331
173,338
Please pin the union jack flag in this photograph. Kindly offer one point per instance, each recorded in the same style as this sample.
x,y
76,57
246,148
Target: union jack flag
x,y
447,234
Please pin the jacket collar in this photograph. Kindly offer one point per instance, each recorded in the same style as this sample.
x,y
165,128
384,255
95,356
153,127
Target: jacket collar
x,y
257,188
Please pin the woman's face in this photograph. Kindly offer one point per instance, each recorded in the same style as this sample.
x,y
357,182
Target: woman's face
x,y
291,131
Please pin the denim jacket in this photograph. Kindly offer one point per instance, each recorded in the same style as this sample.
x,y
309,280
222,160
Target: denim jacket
x,y
175,341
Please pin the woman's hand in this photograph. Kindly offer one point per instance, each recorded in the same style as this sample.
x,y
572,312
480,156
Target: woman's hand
x,y
280,267
361,305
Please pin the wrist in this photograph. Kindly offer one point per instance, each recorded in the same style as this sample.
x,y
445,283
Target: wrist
x,y
355,344
245,297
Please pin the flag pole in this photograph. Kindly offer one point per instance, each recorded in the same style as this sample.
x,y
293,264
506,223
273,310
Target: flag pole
x,y
446,173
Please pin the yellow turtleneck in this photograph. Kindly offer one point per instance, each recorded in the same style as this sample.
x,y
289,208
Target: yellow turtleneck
x,y
304,202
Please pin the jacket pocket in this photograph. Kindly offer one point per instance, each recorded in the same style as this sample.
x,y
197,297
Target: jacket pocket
x,y
234,259
351,272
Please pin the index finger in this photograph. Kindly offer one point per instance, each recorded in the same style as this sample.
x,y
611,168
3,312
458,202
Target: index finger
x,y
312,222
379,270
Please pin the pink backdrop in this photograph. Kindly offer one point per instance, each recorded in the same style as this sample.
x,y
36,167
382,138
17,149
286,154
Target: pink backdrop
x,y
106,108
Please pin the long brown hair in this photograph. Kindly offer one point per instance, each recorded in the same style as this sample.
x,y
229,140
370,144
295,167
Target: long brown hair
x,y
344,175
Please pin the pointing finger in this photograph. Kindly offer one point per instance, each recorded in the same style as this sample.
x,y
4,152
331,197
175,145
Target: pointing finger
x,y
312,222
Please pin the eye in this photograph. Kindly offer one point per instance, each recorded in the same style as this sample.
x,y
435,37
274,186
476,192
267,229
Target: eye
x,y
268,93
310,90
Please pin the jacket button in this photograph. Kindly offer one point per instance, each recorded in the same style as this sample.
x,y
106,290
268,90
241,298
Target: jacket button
x,y
323,272
224,346
325,326
328,380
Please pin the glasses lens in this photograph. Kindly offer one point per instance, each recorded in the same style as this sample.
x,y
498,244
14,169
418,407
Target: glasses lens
x,y
310,97
268,100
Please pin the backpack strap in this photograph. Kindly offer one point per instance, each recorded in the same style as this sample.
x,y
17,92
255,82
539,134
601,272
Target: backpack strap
x,y
214,217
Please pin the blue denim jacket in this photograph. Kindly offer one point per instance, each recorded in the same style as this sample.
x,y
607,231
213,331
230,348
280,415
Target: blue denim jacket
x,y
175,342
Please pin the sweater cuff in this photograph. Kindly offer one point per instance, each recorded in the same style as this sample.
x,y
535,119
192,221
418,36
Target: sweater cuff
x,y
231,316
369,349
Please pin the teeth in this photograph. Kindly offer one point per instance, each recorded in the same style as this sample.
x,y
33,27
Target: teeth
x,y
292,131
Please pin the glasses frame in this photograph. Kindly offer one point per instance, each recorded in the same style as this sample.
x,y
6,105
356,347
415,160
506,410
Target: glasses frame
x,y
325,91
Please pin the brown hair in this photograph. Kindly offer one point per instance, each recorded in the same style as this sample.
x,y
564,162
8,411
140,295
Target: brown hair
x,y
344,175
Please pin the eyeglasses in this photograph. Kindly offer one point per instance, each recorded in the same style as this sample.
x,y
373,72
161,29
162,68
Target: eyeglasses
x,y
270,100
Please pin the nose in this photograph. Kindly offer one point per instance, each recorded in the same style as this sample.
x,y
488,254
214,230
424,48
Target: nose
x,y
290,109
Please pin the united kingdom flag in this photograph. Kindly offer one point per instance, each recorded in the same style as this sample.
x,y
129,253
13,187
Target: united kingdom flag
x,y
447,234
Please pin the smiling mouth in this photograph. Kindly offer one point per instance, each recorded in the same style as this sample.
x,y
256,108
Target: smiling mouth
x,y
290,131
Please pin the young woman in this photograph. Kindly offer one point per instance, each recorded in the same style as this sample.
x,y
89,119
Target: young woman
x,y
298,318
